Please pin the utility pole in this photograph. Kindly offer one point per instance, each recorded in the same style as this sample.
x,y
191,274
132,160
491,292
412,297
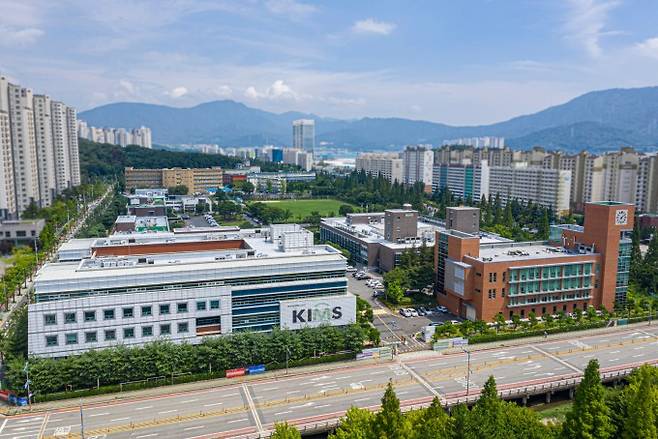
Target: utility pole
x,y
468,371
82,422
287,358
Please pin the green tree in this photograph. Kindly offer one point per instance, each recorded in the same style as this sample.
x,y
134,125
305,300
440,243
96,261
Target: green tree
x,y
285,431
641,407
180,189
487,417
434,423
389,422
344,209
357,424
589,417
544,227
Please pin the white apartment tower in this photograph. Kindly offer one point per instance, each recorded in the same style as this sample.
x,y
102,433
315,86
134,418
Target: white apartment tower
x,y
303,134
7,194
389,165
26,174
45,151
61,144
74,153
418,162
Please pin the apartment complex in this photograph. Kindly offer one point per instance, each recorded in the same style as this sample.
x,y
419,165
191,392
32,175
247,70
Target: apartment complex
x,y
303,134
418,163
132,289
580,266
197,180
477,142
116,136
290,156
38,157
388,165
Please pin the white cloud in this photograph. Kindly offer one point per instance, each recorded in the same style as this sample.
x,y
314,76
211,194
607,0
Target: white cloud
x,y
586,22
279,90
10,36
372,26
648,47
127,86
290,8
177,92
223,91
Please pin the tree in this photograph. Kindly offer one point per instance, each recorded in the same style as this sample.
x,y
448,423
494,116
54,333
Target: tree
x,y
389,422
357,424
642,404
285,431
486,419
434,422
544,228
589,417
180,189
344,209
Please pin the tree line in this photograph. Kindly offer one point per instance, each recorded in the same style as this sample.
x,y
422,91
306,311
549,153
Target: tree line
x,y
596,413
122,364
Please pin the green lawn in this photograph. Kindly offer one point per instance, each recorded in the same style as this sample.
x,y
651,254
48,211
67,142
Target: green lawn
x,y
557,410
303,208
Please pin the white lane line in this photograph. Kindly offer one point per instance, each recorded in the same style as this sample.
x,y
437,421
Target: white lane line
x,y
270,389
613,352
293,391
379,372
283,413
613,359
559,360
98,414
146,435
167,411
638,348
24,421
2,427
237,420
120,419
361,399
43,425
638,355
189,400
213,404
421,380
230,394
252,409
196,427
322,406
144,408
22,435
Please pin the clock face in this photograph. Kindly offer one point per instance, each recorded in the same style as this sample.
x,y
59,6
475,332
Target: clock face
x,y
621,218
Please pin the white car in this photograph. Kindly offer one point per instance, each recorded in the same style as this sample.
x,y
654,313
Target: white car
x,y
442,308
405,312
455,322
413,312
350,269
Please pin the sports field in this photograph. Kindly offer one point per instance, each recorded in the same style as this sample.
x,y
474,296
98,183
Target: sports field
x,y
303,208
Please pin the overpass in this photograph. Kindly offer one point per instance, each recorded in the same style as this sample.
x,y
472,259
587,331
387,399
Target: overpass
x,y
314,401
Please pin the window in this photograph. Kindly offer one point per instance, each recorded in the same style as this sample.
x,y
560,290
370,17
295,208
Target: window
x,y
164,309
183,327
181,307
71,338
108,314
91,337
214,304
69,317
128,313
147,331
165,329
147,311
90,316
128,332
201,306
51,340
110,334
49,319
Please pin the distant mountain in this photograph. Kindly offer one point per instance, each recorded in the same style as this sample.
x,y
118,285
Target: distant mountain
x,y
598,120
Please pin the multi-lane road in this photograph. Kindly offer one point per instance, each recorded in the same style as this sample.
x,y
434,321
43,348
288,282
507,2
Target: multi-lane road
x,y
245,409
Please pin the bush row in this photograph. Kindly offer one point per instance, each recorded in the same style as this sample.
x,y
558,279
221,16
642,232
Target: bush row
x,y
486,338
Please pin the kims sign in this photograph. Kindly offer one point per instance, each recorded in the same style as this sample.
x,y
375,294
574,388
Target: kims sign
x,y
311,313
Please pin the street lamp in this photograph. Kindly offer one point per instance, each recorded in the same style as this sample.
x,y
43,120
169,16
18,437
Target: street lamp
x,y
468,370
287,358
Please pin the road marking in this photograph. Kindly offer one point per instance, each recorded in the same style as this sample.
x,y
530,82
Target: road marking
x,y
270,389
322,406
189,400
613,359
252,408
292,391
421,380
144,408
231,394
283,413
362,399
2,427
638,355
308,404
379,372
559,360
98,414
122,419
213,404
194,428
146,435
167,411
237,420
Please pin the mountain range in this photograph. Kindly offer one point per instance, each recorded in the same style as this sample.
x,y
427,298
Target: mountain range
x,y
597,121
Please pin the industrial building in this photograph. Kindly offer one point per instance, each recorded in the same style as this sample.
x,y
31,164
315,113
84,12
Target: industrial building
x,y
580,266
129,289
197,180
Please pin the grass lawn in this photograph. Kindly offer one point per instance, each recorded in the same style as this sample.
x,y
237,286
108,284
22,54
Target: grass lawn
x,y
557,410
303,208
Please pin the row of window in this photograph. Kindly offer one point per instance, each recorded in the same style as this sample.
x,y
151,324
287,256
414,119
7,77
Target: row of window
x,y
129,312
111,334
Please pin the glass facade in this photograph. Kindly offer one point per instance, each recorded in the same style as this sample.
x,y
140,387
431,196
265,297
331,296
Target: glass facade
x,y
550,284
623,269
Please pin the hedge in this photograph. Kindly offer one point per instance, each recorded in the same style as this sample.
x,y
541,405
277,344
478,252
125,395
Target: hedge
x,y
501,336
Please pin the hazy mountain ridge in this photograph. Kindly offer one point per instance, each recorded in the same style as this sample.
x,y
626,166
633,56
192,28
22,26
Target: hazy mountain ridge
x,y
604,119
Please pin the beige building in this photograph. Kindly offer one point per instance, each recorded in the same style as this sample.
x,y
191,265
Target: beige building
x,y
45,152
197,180
7,195
389,165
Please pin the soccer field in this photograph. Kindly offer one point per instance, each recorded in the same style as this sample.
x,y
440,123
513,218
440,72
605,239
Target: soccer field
x,y
303,208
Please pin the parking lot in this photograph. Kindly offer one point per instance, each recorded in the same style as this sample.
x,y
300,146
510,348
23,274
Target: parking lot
x,y
393,327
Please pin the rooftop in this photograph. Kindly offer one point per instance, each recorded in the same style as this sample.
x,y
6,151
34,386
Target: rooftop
x,y
523,250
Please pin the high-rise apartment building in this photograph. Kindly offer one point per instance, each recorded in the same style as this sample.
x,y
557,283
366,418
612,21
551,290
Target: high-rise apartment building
x,y
7,194
115,136
389,165
303,134
38,149
418,163
646,196
45,152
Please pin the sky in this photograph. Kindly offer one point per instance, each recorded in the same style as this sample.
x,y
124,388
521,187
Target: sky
x,y
458,62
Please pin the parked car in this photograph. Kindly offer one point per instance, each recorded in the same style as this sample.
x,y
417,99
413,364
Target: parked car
x,y
377,293
405,312
436,324
455,322
441,308
421,311
350,269
413,312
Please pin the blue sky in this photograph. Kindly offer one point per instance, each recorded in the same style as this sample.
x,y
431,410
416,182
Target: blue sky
x,y
458,62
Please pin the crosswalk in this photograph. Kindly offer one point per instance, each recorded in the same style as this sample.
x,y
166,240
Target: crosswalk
x,y
22,428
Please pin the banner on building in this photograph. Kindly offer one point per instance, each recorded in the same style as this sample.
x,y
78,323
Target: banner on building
x,y
314,312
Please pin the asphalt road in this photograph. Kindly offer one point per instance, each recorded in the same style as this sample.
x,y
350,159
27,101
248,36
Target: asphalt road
x,y
238,409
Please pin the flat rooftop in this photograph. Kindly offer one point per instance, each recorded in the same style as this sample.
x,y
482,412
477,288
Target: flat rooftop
x,y
520,251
